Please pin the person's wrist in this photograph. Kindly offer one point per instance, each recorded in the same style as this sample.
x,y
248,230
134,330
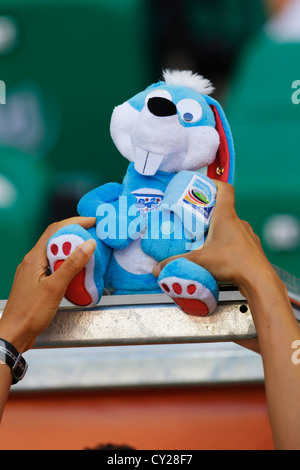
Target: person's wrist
x,y
15,336
5,367
261,282
6,375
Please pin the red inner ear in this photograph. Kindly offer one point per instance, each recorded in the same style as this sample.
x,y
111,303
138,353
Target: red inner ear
x,y
223,155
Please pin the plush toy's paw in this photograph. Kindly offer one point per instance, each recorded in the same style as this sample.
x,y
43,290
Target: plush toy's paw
x,y
164,236
191,287
84,290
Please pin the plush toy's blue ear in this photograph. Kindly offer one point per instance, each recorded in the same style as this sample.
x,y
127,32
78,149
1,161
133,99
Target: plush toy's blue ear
x,y
222,168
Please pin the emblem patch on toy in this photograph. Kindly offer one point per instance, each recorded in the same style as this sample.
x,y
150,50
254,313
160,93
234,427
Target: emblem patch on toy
x,y
199,197
148,201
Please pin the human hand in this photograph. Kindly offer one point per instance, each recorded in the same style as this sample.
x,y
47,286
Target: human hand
x,y
232,252
35,296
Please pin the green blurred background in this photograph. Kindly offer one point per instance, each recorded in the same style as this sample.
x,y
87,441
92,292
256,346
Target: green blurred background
x,y
66,65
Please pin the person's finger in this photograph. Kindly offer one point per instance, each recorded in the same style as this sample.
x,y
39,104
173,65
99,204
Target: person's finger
x,y
159,266
225,200
73,265
190,256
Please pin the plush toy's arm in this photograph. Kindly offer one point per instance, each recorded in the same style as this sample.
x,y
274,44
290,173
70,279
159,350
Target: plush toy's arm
x,y
182,222
165,236
118,221
107,193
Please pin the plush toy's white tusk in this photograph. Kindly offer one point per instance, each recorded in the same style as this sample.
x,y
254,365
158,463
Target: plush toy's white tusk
x,y
147,163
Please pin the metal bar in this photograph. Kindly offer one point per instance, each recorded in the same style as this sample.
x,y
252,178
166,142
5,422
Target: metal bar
x,y
140,366
144,319
154,319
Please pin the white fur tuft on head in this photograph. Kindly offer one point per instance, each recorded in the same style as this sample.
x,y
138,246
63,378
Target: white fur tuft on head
x,y
188,79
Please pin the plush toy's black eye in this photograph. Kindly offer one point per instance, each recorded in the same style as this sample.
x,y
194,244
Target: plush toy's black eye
x,y
161,107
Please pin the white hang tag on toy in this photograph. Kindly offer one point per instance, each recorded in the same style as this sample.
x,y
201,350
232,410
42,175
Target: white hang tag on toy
x,y
192,198
199,197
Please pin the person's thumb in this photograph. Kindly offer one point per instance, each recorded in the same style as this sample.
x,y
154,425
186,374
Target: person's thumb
x,y
74,263
191,256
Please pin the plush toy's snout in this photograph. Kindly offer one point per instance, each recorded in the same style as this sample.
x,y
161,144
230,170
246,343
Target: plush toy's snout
x,y
159,141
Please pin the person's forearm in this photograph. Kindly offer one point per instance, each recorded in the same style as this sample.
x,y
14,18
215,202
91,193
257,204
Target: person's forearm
x,y
5,384
35,296
277,329
233,254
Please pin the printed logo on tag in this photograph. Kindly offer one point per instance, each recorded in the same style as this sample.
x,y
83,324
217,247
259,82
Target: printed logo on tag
x,y
199,197
195,196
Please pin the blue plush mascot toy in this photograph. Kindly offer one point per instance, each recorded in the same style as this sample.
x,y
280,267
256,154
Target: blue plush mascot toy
x,y
164,206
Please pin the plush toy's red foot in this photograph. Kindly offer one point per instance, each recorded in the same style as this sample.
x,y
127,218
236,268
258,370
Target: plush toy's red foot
x,y
195,291
187,295
82,290
76,292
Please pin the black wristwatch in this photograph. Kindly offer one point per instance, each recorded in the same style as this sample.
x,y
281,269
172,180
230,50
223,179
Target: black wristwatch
x,y
10,356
